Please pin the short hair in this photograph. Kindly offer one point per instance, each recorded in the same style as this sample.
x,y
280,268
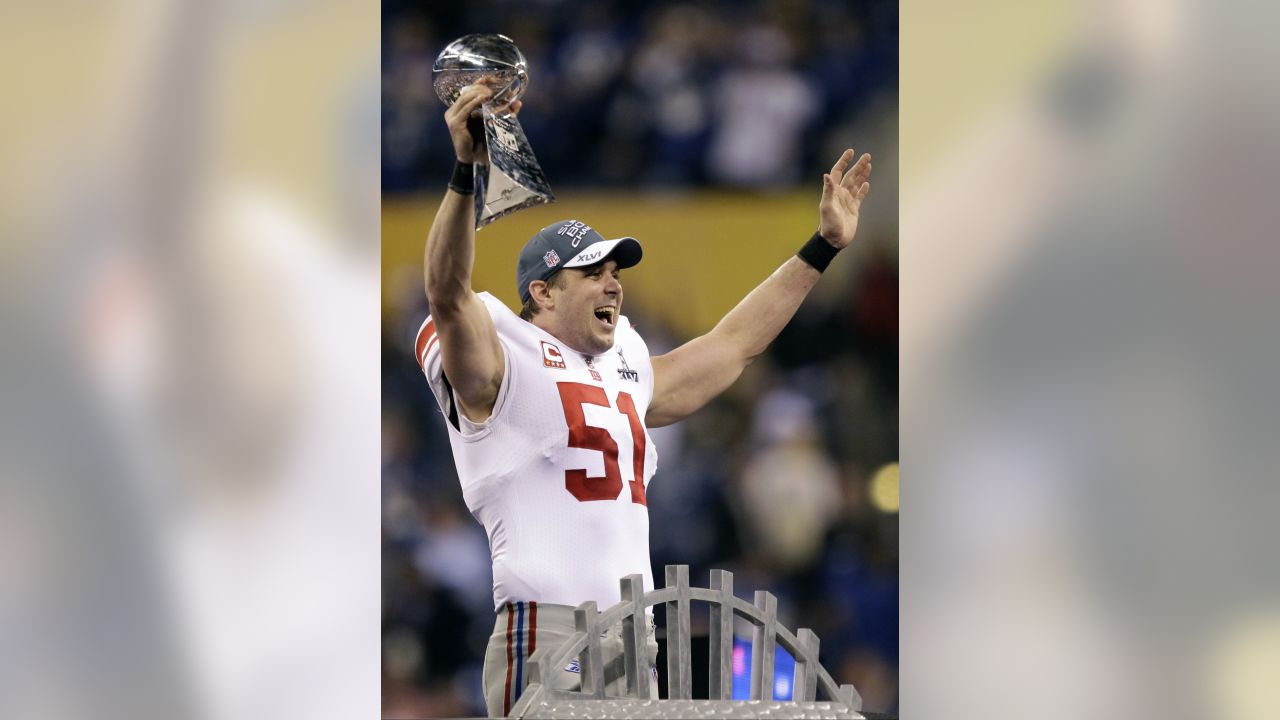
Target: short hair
x,y
530,307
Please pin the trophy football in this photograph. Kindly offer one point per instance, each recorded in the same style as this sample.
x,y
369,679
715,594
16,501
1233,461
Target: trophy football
x,y
511,180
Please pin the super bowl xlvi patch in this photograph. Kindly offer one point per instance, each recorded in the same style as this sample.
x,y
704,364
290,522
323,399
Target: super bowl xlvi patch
x,y
573,667
625,372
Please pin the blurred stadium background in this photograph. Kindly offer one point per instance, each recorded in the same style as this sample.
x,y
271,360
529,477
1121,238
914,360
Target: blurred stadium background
x,y
1086,334
703,130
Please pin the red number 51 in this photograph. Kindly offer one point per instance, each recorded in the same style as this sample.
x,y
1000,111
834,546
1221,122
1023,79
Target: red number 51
x,y
589,437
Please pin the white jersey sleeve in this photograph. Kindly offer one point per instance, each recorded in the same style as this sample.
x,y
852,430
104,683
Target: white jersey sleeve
x,y
558,472
431,360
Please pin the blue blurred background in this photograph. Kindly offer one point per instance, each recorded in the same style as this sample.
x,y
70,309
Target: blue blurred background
x,y
702,130
660,94
190,199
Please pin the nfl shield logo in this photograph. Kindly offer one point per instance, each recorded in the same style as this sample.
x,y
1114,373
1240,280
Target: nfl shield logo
x,y
551,258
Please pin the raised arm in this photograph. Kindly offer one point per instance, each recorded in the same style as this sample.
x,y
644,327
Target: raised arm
x,y
471,354
688,377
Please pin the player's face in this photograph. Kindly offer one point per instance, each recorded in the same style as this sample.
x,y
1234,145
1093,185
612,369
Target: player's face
x,y
587,306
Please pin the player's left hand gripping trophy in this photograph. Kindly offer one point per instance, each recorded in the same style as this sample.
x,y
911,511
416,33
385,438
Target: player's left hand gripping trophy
x,y
511,180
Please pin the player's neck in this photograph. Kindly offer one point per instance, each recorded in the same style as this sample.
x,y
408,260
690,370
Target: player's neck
x,y
587,346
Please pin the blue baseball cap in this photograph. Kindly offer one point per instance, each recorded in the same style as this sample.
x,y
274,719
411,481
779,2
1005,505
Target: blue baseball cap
x,y
566,244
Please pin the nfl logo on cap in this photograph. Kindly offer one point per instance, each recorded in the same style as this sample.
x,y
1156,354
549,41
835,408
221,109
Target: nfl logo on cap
x,y
551,258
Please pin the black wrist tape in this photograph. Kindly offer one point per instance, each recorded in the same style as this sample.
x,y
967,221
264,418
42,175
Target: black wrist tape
x,y
463,180
817,252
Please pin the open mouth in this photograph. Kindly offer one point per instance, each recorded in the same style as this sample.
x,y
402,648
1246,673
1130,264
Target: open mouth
x,y
607,315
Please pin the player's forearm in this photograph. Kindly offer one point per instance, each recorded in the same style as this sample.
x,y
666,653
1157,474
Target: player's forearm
x,y
755,321
688,377
450,252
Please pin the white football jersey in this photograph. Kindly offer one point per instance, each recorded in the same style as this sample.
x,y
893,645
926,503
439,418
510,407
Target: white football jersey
x,y
557,473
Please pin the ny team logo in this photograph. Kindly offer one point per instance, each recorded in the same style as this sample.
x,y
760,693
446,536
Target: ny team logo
x,y
551,356
591,368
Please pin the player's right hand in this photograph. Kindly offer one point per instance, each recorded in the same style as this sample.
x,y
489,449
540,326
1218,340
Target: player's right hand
x,y
467,135
466,127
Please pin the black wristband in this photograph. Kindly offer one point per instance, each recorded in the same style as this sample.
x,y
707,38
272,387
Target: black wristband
x,y
817,252
463,180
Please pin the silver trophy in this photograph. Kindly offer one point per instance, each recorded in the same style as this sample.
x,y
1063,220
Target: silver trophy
x,y
512,179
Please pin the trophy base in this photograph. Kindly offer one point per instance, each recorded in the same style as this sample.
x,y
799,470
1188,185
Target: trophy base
x,y
500,195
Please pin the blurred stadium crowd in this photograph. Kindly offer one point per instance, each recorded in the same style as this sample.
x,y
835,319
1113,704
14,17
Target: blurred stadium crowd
x,y
737,94
789,479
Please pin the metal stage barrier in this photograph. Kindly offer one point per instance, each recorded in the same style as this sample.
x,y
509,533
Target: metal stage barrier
x,y
543,701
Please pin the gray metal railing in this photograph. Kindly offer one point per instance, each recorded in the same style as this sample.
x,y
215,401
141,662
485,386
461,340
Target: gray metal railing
x,y
585,646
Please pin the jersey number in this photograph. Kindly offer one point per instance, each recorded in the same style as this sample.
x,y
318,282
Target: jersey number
x,y
589,437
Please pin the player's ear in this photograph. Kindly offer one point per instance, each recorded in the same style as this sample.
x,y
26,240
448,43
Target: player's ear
x,y
540,291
